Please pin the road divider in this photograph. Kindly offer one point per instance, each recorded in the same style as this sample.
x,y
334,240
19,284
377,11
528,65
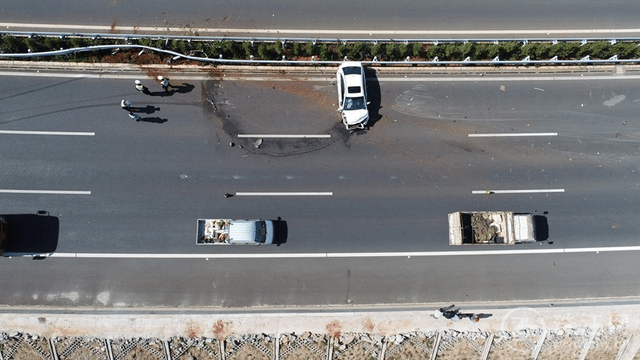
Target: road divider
x,y
284,193
284,136
67,133
528,191
514,134
48,192
594,250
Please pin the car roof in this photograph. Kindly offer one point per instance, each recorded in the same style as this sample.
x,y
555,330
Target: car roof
x,y
353,80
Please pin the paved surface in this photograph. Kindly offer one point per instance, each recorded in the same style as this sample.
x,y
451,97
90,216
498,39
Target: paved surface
x,y
335,17
392,187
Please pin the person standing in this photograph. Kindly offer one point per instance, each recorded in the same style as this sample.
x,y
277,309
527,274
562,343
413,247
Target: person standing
x,y
125,104
141,87
164,82
134,116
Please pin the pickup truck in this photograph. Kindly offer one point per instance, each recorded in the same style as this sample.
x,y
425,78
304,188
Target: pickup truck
x,y
234,232
490,227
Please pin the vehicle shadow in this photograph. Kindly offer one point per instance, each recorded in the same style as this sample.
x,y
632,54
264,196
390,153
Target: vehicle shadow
x,y
374,97
280,232
541,228
31,234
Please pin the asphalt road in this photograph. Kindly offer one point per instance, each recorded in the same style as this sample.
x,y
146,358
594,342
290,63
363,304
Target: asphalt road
x,y
309,17
391,186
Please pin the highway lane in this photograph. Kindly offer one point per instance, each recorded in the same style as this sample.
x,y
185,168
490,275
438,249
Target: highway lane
x,y
392,187
322,18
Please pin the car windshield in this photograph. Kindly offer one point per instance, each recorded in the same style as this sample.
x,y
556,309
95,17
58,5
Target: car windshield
x,y
354,103
352,70
261,231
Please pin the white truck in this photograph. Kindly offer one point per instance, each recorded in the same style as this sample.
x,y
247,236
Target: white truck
x,y
234,232
490,227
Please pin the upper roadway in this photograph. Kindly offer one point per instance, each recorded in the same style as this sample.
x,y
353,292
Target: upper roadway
x,y
374,19
132,189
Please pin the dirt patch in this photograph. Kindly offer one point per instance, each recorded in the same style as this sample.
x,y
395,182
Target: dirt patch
x,y
506,346
24,346
250,347
188,349
606,344
357,347
306,346
562,345
455,345
130,349
80,348
408,347
232,108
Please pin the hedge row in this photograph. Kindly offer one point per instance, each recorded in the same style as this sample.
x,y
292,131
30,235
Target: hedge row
x,y
359,51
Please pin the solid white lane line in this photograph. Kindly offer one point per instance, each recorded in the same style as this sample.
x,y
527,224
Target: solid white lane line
x,y
513,134
25,132
529,191
201,31
284,193
52,192
286,136
595,250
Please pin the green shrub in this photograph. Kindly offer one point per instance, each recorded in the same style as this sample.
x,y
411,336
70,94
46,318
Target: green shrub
x,y
597,50
79,42
310,48
33,44
391,51
13,44
248,48
325,53
403,50
468,49
264,51
357,51
278,47
54,43
378,50
625,50
342,50
510,50
297,49
417,49
452,52
537,51
435,51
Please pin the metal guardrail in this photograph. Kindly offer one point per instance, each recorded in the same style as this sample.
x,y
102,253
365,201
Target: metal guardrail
x,y
220,60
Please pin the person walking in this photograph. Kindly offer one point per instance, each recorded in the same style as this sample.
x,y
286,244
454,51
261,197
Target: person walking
x,y
164,82
141,87
125,104
134,116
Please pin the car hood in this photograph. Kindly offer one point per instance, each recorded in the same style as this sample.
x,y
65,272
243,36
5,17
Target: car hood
x,y
353,117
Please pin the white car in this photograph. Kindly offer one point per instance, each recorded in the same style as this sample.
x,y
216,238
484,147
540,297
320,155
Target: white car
x,y
352,95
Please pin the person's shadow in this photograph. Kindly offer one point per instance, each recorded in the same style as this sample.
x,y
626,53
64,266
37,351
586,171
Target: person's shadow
x,y
155,120
149,109
182,89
